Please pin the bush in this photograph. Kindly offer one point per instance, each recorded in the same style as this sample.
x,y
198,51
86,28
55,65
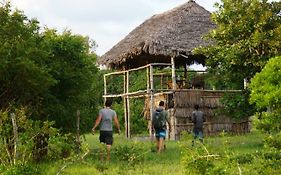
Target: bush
x,y
199,160
27,169
36,141
266,95
131,154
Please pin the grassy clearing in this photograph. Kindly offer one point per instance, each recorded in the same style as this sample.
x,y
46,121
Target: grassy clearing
x,y
139,157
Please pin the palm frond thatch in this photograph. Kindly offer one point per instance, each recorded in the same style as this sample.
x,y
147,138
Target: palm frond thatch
x,y
173,33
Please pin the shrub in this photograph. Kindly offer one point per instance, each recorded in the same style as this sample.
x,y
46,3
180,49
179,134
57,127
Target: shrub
x,y
27,169
36,141
132,154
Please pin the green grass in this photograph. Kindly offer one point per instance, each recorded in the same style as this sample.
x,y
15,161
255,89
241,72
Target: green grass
x,y
168,162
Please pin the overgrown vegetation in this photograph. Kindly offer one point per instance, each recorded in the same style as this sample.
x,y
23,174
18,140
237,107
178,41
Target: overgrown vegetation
x,y
29,142
236,105
46,77
266,95
219,154
246,37
51,73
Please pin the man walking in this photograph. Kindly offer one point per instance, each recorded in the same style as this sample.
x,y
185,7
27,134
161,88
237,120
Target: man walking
x,y
105,118
198,120
159,120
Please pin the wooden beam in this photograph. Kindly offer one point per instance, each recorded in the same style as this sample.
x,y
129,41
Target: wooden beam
x,y
105,86
151,100
125,102
16,138
174,85
128,106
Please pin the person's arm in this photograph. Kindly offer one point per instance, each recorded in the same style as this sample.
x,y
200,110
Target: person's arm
x,y
204,117
168,121
192,117
96,123
116,122
152,122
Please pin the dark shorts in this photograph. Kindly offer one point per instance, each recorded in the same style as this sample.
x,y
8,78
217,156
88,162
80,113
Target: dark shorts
x,y
198,133
106,137
160,133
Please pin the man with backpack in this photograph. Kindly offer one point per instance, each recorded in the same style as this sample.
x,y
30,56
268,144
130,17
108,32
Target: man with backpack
x,y
159,120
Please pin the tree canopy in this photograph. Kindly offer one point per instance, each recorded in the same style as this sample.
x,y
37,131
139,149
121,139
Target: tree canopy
x,y
248,33
53,74
266,95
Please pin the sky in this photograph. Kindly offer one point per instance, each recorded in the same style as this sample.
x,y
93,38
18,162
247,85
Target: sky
x,y
104,21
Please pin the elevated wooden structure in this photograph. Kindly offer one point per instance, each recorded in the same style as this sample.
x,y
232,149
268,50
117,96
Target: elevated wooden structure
x,y
179,103
168,40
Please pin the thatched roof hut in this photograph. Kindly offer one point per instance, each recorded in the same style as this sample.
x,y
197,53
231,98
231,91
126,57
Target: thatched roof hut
x,y
173,33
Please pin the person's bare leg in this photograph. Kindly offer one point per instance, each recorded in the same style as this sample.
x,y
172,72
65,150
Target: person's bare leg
x,y
101,151
157,144
160,145
163,144
108,152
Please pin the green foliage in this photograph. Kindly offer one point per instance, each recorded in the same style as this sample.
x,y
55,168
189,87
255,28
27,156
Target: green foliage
x,y
54,74
115,85
198,160
274,141
138,121
28,169
226,155
265,86
236,105
246,36
268,122
265,94
131,154
242,158
269,162
243,154
36,141
23,76
71,65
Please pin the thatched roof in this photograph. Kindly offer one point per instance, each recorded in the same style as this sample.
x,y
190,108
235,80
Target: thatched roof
x,y
173,33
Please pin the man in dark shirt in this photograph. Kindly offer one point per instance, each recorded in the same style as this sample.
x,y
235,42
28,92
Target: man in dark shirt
x,y
198,120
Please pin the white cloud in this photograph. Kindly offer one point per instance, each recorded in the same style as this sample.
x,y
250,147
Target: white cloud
x,y
105,21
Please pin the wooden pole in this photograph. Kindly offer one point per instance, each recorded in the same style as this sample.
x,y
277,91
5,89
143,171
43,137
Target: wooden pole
x,y
147,79
151,100
174,85
128,105
105,87
174,88
185,76
125,104
16,138
78,131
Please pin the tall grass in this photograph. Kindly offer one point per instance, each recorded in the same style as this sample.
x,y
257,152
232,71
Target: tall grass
x,y
139,156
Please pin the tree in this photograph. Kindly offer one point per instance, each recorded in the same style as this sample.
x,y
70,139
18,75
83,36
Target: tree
x,y
248,33
266,95
71,64
53,74
21,62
